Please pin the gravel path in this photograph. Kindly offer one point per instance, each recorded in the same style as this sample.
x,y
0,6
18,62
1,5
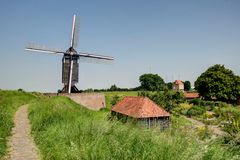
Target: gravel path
x,y
22,146
215,129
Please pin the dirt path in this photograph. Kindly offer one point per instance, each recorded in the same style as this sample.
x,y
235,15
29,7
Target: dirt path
x,y
215,129
21,144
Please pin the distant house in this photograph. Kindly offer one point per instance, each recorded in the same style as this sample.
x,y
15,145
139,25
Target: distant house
x,y
142,109
191,95
178,85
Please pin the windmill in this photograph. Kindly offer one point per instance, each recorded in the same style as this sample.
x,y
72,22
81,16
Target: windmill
x,y
70,60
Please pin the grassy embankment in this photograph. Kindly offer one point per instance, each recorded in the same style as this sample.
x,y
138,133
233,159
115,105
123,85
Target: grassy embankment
x,y
9,103
65,130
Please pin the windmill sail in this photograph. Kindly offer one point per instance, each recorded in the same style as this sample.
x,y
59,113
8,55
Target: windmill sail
x,y
38,48
75,31
95,56
70,60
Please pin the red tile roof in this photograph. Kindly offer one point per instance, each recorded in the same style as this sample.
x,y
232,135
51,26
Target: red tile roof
x,y
139,107
191,95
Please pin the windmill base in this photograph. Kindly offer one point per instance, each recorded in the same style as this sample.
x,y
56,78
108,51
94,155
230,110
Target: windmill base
x,y
74,89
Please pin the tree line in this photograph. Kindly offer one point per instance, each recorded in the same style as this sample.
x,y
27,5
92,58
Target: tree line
x,y
216,83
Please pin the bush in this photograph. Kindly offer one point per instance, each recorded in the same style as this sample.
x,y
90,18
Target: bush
x,y
195,101
167,99
195,111
182,108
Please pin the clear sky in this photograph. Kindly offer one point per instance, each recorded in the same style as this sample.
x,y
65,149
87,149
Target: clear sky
x,y
177,39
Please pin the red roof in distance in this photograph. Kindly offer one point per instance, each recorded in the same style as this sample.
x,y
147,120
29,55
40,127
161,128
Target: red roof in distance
x,y
191,95
139,107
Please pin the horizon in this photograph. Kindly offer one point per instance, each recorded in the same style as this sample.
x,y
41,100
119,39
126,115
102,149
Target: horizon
x,y
177,40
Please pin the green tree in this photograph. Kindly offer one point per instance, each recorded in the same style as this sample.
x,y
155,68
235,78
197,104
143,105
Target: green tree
x,y
187,85
151,82
218,82
169,85
113,88
168,99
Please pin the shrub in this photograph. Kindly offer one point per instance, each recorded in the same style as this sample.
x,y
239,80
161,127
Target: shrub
x,y
115,100
167,99
195,101
195,111
182,108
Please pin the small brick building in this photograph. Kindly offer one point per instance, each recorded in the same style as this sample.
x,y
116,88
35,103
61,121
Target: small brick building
x,y
142,109
178,85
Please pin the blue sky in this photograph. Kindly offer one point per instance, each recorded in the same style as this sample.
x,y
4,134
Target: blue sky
x,y
172,38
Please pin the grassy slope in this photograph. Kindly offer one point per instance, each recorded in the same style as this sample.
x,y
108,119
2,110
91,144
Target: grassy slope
x,y
9,103
65,130
109,96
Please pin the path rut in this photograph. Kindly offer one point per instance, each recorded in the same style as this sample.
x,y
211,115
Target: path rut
x,y
22,146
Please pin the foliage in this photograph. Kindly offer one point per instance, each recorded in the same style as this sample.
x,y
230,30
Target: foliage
x,y
187,85
182,108
113,88
169,85
218,82
195,101
151,82
195,111
209,105
115,99
231,117
204,132
167,99
9,103
230,120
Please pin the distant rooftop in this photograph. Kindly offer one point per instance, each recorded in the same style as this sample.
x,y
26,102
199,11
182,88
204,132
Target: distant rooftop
x,y
178,82
191,95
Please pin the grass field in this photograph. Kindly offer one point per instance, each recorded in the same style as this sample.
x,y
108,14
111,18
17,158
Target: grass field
x,y
64,130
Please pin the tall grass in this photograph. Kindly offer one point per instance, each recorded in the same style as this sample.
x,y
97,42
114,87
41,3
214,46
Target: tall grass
x,y
9,103
65,130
